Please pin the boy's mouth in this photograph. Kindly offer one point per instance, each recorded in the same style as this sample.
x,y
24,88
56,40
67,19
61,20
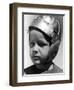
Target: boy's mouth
x,y
36,58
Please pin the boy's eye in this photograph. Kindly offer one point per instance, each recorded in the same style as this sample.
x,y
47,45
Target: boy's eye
x,y
41,44
32,44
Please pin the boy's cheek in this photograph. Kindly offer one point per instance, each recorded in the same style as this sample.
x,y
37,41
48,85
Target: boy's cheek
x,y
45,51
31,53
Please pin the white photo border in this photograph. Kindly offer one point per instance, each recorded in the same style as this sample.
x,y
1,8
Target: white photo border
x,y
51,77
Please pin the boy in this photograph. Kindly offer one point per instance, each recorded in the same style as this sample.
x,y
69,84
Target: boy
x,y
44,41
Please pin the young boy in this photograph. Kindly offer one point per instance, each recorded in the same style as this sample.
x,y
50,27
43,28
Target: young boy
x,y
44,41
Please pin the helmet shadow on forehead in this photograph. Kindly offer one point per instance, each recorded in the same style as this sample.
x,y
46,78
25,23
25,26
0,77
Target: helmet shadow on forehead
x,y
44,34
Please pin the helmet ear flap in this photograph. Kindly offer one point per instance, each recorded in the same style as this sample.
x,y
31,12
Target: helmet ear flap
x,y
54,50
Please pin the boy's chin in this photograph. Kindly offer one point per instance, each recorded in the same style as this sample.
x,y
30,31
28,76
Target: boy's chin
x,y
39,66
36,62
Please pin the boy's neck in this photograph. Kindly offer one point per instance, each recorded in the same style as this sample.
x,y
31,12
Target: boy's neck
x,y
44,66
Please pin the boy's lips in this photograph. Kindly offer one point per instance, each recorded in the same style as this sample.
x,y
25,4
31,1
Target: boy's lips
x,y
35,57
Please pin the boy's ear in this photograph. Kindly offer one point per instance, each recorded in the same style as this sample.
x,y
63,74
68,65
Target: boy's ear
x,y
54,49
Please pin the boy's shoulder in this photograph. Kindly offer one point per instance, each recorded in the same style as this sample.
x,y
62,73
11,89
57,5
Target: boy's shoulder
x,y
55,69
32,70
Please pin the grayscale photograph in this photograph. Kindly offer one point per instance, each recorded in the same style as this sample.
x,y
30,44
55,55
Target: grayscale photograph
x,y
43,44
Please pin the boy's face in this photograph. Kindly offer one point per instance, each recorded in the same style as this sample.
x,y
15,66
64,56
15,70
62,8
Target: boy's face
x,y
39,48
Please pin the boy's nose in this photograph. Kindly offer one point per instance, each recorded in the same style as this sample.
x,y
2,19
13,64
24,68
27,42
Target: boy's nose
x,y
35,49
35,52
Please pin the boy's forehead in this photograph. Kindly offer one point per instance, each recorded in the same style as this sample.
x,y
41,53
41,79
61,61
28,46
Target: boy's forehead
x,y
35,35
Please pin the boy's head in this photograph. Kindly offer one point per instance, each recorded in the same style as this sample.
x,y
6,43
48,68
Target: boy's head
x,y
44,38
